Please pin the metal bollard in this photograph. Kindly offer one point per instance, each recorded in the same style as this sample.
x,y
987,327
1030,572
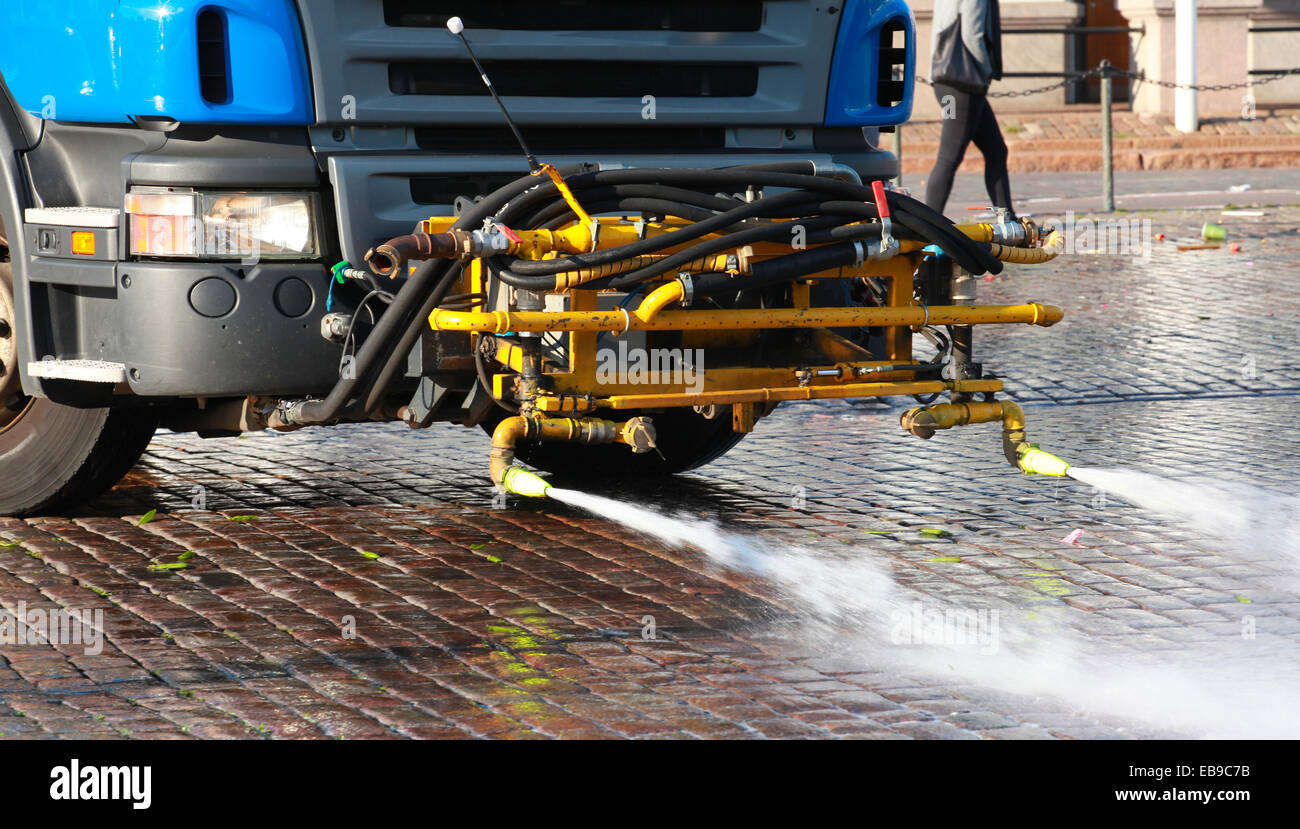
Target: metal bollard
x,y
898,138
1107,157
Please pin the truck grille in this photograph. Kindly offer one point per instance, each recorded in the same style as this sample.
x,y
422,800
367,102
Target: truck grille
x,y
583,15
499,139
572,62
445,189
627,79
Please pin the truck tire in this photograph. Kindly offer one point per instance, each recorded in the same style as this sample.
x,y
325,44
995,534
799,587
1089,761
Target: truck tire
x,y
686,439
54,456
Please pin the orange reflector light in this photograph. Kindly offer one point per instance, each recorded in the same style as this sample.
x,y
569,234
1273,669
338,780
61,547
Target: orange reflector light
x,y
83,242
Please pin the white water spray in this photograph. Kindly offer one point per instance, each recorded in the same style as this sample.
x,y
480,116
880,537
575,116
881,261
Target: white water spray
x,y
856,610
1256,523
830,587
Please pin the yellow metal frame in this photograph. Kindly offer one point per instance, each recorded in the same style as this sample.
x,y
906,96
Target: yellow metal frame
x,y
578,390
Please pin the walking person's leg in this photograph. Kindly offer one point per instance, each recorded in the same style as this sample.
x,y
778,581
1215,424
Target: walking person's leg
x,y
987,136
953,138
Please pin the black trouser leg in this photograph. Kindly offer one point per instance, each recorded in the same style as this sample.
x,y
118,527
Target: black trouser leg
x,y
988,138
958,127
973,120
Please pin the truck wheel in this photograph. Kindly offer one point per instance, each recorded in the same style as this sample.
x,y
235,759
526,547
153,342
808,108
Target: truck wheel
x,y
54,456
686,440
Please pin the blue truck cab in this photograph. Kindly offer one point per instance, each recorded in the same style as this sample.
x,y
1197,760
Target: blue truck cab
x,y
180,178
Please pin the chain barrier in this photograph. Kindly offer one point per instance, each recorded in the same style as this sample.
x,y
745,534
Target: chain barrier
x,y
1096,72
1071,78
1211,87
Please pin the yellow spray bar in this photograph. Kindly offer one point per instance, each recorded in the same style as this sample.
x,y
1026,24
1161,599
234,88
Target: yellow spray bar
x,y
775,394
503,322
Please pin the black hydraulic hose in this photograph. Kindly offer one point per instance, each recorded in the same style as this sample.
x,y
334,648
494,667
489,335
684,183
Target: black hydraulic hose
x,y
526,192
398,316
653,244
481,370
791,266
471,218
648,205
521,198
969,253
776,271
938,225
765,233
772,272
399,355
517,196
329,407
560,208
606,199
546,282
844,231
642,178
804,262
910,212
974,256
848,232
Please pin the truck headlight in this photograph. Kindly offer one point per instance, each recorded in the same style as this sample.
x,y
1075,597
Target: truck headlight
x,y
228,225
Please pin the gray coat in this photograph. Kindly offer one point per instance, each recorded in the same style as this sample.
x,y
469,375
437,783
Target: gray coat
x,y
981,32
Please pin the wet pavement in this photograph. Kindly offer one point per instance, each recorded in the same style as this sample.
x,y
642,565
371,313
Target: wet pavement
x,y
361,582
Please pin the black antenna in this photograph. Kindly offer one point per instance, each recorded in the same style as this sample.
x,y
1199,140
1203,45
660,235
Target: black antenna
x,y
457,27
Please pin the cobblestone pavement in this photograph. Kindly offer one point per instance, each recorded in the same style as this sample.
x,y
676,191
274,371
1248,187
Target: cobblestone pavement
x,y
357,582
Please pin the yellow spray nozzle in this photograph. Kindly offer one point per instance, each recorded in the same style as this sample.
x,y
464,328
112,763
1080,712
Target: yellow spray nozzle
x,y
1034,461
522,482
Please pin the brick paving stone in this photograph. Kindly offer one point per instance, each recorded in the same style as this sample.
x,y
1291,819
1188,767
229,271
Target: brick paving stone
x,y
526,623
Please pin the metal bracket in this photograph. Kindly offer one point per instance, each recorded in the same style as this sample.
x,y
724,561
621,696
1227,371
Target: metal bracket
x,y
428,398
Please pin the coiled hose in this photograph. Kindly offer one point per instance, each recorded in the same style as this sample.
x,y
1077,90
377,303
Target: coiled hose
x,y
826,214
1051,249
827,210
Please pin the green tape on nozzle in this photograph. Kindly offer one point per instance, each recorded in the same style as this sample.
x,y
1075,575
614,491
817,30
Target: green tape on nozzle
x,y
520,481
1034,461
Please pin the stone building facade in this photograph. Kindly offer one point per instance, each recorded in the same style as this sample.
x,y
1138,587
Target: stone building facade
x,y
1234,38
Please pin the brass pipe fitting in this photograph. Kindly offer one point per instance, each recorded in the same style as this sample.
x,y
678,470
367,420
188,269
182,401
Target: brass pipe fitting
x,y
504,437
637,433
925,421
1013,431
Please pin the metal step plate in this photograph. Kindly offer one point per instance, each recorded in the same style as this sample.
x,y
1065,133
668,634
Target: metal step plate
x,y
87,371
